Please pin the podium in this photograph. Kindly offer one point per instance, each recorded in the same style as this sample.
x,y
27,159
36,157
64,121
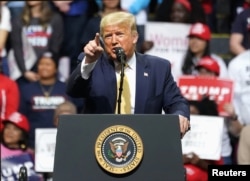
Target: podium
x,y
118,147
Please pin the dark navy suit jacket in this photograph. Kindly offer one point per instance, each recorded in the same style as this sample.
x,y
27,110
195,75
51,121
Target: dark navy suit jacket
x,y
155,87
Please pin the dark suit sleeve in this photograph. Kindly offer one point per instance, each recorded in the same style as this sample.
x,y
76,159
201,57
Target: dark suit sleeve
x,y
174,102
76,85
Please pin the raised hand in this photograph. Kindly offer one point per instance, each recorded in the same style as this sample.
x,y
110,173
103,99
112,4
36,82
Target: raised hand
x,y
93,49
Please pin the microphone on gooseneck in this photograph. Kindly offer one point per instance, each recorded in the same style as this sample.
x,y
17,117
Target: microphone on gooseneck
x,y
120,55
23,176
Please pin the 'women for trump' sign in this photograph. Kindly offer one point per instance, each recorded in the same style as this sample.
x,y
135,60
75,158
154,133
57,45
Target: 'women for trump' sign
x,y
170,42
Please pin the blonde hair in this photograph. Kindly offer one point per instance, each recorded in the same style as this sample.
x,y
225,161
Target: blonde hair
x,y
120,17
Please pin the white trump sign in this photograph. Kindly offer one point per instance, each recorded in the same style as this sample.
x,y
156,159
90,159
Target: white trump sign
x,y
45,143
170,42
205,137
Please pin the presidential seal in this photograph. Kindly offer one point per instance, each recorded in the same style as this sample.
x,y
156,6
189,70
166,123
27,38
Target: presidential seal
x,y
119,149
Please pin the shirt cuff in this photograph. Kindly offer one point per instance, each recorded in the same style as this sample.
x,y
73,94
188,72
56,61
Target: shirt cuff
x,y
86,68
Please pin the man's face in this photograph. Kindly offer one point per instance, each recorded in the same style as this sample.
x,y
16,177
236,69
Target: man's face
x,y
119,35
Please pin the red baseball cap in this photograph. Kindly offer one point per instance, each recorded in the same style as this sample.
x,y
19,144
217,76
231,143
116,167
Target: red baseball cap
x,y
185,3
210,64
19,120
201,31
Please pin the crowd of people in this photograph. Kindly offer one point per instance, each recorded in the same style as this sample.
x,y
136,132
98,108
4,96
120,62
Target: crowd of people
x,y
42,76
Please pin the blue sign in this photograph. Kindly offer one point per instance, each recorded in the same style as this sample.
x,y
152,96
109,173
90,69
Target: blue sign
x,y
10,168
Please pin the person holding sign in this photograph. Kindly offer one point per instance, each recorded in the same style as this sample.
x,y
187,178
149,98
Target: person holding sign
x,y
149,80
207,70
209,67
197,167
15,151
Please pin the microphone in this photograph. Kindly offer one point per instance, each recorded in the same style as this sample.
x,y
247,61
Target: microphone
x,y
120,55
23,176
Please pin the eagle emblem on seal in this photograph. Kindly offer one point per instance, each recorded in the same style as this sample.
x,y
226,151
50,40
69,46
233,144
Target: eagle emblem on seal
x,y
119,149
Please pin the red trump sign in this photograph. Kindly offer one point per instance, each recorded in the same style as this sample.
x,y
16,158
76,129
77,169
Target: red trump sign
x,y
196,87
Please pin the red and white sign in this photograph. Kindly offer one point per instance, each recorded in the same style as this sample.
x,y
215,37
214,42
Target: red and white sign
x,y
170,42
196,87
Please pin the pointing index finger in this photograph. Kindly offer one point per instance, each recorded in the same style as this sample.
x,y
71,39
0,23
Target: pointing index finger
x,y
97,39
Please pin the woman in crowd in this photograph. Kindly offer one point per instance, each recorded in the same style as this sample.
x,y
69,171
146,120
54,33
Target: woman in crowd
x,y
42,28
14,138
198,47
39,99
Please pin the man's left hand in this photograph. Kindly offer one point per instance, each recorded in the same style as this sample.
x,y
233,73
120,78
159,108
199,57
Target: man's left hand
x,y
184,125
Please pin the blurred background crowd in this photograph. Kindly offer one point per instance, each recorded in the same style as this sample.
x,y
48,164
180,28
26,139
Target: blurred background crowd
x,y
40,42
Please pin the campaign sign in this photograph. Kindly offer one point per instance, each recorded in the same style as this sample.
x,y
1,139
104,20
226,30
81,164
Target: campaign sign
x,y
205,137
196,87
45,149
170,42
10,168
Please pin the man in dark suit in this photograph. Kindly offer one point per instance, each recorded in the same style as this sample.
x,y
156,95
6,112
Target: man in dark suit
x,y
151,85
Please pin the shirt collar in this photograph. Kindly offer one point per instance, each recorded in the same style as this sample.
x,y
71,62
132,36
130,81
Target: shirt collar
x,y
131,62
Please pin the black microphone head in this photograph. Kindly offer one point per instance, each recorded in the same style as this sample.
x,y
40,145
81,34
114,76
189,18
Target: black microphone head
x,y
23,175
120,54
119,50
